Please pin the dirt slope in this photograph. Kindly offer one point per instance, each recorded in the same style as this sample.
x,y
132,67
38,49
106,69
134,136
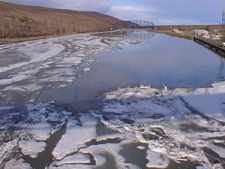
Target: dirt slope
x,y
29,21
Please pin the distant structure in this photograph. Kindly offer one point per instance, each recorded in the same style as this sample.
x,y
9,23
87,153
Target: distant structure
x,y
142,23
223,18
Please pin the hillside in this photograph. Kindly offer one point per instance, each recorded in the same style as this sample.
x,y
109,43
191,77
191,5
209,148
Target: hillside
x,y
30,21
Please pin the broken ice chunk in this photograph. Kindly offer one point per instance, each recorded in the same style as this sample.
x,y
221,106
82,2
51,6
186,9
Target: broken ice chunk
x,y
157,160
31,147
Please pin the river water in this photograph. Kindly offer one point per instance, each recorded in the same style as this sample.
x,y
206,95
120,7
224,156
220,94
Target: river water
x,y
95,109
150,59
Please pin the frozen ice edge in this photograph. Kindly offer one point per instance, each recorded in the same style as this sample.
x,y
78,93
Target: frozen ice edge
x,y
72,142
142,99
53,62
207,112
209,101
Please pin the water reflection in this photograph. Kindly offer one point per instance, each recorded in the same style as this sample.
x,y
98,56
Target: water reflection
x,y
132,36
135,153
137,37
221,71
155,60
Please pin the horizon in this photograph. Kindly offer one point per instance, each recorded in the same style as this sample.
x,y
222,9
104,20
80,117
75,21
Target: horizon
x,y
159,12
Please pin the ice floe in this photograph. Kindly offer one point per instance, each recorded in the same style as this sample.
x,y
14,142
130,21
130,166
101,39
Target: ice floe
x,y
76,159
188,121
108,137
54,62
25,131
157,160
17,164
74,139
136,127
7,150
31,148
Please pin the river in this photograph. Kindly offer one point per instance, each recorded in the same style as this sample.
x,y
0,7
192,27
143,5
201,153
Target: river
x,y
123,99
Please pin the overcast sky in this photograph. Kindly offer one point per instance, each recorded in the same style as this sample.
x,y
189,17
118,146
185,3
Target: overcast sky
x,y
158,11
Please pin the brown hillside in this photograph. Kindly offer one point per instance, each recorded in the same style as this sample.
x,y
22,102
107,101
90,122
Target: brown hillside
x,y
29,21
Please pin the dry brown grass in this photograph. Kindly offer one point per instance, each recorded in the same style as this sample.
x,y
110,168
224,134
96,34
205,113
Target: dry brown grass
x,y
187,31
29,21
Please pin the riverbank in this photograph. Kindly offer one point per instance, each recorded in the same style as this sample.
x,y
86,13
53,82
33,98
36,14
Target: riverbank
x,y
5,41
189,31
28,22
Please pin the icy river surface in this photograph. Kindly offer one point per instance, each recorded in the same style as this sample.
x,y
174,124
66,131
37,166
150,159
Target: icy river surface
x,y
117,100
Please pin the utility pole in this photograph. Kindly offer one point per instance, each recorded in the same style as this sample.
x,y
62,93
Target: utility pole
x,y
223,18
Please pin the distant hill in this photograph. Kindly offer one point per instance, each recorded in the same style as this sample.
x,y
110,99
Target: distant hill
x,y
30,21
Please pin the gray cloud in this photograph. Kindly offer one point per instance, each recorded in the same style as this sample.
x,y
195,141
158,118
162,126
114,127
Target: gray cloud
x,y
93,5
188,11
